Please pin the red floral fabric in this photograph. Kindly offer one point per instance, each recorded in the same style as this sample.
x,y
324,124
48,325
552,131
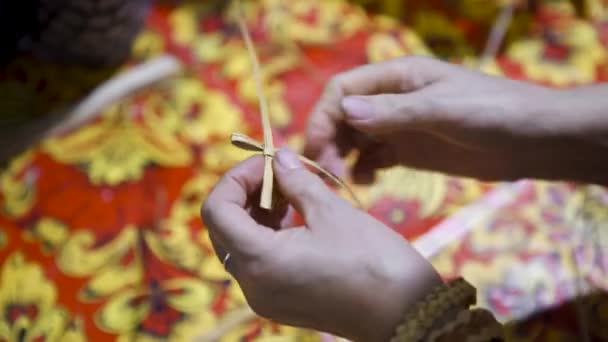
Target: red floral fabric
x,y
100,236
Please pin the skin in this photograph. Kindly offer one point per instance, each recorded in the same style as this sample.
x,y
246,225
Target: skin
x,y
345,273
423,113
320,275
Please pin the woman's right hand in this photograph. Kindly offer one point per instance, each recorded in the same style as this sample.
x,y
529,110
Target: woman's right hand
x,y
428,114
341,272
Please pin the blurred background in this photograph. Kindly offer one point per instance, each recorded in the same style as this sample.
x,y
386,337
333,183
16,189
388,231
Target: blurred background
x,y
115,118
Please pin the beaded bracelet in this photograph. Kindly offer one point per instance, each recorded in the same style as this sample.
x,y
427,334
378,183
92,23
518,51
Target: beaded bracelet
x,y
477,325
456,295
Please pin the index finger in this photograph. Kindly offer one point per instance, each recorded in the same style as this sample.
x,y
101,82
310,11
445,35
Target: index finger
x,y
390,77
224,211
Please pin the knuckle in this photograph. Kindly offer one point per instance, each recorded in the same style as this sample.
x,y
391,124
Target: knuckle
x,y
417,71
335,83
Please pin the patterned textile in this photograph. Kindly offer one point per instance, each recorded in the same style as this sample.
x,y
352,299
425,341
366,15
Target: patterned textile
x,y
100,236
548,41
451,29
541,246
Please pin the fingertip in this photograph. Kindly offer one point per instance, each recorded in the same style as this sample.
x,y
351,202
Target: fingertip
x,y
287,159
320,130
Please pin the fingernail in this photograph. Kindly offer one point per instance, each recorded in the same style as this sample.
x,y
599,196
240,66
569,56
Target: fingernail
x,y
288,159
357,108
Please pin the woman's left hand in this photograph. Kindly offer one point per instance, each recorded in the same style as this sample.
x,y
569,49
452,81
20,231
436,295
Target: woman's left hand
x,y
343,272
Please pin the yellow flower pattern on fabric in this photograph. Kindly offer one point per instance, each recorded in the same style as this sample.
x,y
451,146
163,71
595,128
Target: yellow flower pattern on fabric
x,y
287,20
481,10
161,280
117,149
391,7
280,114
29,301
17,186
395,42
79,257
441,35
175,243
274,333
183,21
597,9
427,187
117,281
125,311
51,233
214,47
584,52
129,304
148,44
281,20
235,65
209,112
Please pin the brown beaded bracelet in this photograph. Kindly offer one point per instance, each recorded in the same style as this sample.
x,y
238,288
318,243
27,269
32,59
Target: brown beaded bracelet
x,y
456,295
477,325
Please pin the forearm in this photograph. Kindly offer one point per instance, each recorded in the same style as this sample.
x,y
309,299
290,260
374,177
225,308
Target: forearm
x,y
580,159
582,111
574,144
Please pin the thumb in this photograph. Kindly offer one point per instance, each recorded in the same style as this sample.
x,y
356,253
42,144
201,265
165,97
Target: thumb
x,y
386,113
303,189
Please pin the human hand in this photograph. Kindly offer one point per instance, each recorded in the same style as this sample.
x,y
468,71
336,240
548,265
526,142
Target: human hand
x,y
428,114
343,272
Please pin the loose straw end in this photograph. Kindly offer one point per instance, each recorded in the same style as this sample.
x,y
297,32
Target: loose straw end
x,y
244,142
